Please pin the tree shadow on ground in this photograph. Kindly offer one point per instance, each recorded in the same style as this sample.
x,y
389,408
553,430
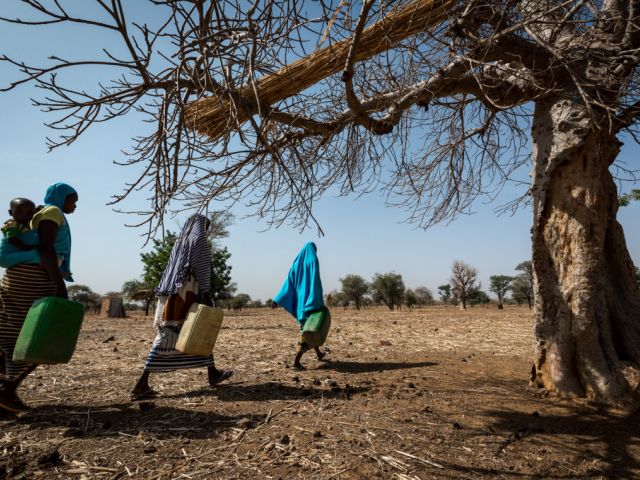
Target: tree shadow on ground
x,y
603,441
363,367
129,419
233,392
606,435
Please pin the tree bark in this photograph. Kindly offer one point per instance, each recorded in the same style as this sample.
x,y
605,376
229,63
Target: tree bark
x,y
463,305
587,303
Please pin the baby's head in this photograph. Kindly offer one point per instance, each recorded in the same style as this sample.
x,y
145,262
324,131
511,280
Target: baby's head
x,y
22,210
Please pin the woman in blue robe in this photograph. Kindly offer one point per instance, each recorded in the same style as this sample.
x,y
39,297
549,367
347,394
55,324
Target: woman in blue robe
x,y
301,295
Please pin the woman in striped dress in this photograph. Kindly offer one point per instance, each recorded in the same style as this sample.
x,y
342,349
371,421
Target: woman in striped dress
x,y
24,283
187,276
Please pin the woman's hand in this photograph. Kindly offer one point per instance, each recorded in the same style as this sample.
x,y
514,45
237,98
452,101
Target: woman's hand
x,y
206,299
61,292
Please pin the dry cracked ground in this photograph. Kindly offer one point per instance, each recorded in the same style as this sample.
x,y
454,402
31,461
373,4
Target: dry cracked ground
x,y
432,393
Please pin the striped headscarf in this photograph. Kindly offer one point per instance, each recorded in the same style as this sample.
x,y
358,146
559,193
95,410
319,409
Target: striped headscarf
x,y
190,253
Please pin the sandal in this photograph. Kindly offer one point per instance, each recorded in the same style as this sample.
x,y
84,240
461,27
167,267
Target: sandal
x,y
13,406
301,368
321,359
139,396
224,376
5,413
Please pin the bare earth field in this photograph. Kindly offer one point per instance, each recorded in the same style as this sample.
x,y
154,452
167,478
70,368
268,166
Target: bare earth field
x,y
449,398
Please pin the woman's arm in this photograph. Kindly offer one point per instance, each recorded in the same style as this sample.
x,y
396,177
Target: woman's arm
x,y
48,232
201,268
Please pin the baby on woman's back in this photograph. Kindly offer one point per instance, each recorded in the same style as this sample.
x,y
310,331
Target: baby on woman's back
x,y
22,211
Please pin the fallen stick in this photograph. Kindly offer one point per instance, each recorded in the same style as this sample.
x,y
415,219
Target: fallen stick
x,y
420,459
270,416
338,473
361,426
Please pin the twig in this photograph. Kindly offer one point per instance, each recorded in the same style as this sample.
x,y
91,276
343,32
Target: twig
x,y
338,473
420,459
361,426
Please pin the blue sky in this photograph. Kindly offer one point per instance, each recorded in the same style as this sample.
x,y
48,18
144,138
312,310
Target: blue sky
x,y
361,236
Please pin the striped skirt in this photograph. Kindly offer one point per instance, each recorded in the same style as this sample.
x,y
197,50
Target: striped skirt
x,y
20,287
165,358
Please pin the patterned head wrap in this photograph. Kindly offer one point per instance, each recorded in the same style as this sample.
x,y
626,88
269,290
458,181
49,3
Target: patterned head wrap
x,y
190,253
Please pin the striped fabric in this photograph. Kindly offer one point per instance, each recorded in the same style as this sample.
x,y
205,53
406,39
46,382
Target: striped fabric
x,y
165,358
190,253
21,286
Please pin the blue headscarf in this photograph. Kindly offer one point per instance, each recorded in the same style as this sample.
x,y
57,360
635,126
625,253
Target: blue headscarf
x,y
302,291
55,197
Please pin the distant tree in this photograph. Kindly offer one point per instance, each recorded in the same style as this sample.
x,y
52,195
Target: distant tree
x,y
113,295
79,293
366,301
354,287
138,290
220,276
228,295
268,302
219,223
455,301
83,294
521,290
388,288
464,281
340,299
522,285
517,294
479,298
255,304
241,300
131,306
526,268
499,284
423,296
626,198
445,293
156,261
410,298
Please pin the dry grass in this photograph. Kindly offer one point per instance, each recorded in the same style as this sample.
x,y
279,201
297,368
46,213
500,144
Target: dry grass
x,y
447,399
210,115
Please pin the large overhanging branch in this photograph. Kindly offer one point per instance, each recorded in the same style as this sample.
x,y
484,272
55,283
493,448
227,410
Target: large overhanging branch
x,y
476,58
208,116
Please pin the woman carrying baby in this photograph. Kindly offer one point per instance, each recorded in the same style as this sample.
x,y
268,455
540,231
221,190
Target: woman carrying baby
x,y
31,275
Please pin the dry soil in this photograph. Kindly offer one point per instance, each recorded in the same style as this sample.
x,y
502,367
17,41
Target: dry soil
x,y
432,393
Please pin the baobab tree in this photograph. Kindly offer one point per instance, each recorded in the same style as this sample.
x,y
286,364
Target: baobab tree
x,y
474,78
464,282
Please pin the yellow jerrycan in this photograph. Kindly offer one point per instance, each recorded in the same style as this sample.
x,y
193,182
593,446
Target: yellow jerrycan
x,y
200,330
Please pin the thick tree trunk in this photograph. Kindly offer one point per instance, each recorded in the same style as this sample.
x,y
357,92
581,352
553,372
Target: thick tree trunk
x,y
587,303
463,305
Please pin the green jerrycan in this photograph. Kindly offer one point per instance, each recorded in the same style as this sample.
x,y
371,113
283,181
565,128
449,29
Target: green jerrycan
x,y
200,330
316,328
50,332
